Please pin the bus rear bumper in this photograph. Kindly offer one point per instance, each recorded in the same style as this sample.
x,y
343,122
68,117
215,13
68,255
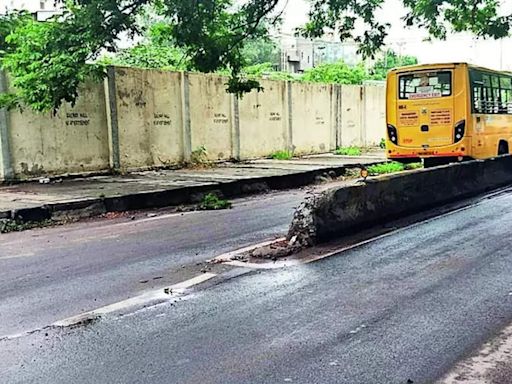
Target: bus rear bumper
x,y
459,150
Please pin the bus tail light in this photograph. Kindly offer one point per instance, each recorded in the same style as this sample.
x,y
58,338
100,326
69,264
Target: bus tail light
x,y
460,128
392,134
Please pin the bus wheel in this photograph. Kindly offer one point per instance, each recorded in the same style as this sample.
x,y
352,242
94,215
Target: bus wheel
x,y
503,148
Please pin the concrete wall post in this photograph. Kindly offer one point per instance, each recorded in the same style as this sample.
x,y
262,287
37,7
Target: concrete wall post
x,y
235,128
113,122
289,137
5,150
185,109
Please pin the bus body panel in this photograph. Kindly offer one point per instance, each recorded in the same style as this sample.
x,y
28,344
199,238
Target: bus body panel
x,y
425,124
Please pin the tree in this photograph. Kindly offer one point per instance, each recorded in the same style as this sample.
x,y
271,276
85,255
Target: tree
x,y
390,60
260,51
339,73
47,61
157,50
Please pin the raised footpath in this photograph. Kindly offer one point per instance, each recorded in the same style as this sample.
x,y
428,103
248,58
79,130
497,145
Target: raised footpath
x,y
90,196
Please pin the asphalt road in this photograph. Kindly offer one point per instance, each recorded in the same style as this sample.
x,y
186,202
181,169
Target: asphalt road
x,y
402,309
50,274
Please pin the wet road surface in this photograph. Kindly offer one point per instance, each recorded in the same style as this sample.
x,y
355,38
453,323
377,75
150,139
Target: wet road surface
x,y
402,309
49,274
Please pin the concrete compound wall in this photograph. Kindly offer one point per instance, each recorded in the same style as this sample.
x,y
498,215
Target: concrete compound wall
x,y
73,141
141,119
211,115
312,121
374,115
149,118
263,121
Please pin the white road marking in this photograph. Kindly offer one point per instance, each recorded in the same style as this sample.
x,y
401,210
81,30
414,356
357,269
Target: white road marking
x,y
26,254
136,301
227,257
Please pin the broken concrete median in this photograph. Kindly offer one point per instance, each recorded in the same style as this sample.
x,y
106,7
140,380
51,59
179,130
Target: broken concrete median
x,y
341,211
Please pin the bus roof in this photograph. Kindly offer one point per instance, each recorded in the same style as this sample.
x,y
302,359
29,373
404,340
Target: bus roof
x,y
419,67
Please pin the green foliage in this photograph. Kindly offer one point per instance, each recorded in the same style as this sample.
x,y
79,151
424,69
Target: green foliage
x,y
339,73
413,166
282,155
382,143
389,61
150,56
348,151
9,225
379,169
212,202
156,51
47,60
261,51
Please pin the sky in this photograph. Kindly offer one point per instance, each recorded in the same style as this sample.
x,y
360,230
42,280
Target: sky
x,y
457,48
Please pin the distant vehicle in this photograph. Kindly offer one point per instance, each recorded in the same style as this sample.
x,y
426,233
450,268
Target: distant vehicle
x,y
448,112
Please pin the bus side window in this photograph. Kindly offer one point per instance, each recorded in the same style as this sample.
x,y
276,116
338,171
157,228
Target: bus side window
x,y
496,96
506,94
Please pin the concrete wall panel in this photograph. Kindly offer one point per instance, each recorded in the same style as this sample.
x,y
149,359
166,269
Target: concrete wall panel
x,y
73,141
311,118
264,120
149,117
374,114
211,117
351,115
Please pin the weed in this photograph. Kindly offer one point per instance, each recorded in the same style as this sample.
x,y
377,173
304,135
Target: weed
x,y
413,166
382,143
8,225
348,151
212,202
199,157
380,169
282,155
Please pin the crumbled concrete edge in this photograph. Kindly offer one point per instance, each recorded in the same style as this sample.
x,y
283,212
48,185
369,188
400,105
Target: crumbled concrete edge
x,y
340,211
302,231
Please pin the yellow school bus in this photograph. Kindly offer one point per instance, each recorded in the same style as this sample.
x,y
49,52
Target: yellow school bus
x,y
448,112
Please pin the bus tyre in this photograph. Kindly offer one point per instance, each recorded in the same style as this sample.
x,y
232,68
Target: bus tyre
x,y
502,148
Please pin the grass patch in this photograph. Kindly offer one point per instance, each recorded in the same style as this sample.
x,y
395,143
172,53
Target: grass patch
x,y
8,225
348,151
211,201
413,166
282,155
381,169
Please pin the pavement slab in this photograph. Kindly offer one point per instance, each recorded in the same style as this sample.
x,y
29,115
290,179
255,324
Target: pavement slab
x,y
172,187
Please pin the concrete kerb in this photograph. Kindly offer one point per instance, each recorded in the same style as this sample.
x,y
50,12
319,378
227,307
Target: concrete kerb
x,y
341,211
169,197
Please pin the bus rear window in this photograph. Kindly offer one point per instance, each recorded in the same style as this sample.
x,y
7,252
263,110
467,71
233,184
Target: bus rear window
x,y
425,85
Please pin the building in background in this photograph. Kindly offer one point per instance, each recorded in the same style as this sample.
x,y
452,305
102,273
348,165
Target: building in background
x,y
42,9
299,54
